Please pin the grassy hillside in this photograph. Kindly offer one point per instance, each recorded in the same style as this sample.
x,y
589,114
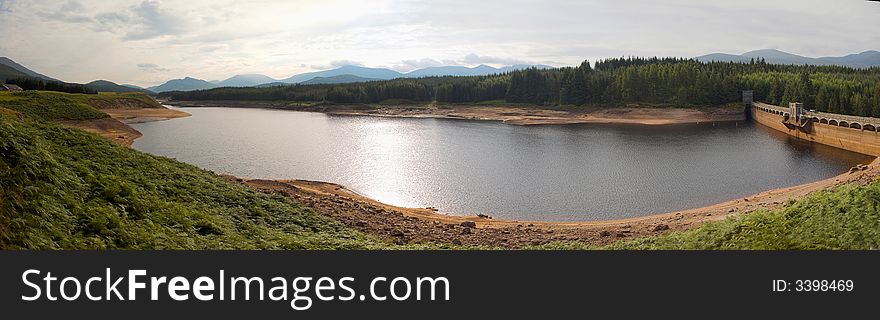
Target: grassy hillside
x,y
69,189
107,86
45,105
50,105
846,218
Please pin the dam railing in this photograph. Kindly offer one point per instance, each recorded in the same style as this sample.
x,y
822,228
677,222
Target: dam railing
x,y
834,119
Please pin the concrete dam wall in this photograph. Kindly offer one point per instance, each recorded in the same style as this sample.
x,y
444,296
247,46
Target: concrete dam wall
x,y
858,134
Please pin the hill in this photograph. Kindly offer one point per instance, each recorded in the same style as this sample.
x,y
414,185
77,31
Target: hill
x,y
28,72
68,189
363,72
185,84
245,80
344,78
107,86
7,72
860,60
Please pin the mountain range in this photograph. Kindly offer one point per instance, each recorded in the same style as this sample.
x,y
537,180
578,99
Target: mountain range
x,y
9,69
865,59
343,74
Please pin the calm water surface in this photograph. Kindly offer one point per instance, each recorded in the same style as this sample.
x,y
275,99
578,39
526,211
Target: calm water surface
x,y
558,173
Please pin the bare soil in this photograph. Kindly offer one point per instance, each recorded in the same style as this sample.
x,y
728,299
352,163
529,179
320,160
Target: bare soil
x,y
512,114
425,225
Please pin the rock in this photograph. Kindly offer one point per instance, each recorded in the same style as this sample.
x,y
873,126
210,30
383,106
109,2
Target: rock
x,y
469,224
466,230
397,233
400,240
604,233
536,242
483,216
456,242
660,227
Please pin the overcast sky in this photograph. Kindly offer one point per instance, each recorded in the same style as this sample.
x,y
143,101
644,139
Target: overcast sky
x,y
148,42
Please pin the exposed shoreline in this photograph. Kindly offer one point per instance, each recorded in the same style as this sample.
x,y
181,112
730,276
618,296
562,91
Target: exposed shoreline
x,y
426,225
116,126
510,114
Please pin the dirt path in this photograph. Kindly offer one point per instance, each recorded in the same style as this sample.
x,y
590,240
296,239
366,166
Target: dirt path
x,y
417,225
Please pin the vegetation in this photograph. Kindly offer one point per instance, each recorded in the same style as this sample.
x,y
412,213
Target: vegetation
x,y
39,84
69,189
612,82
50,105
844,218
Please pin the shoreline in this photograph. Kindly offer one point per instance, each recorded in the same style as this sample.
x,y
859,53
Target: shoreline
x,y
509,114
427,225
116,126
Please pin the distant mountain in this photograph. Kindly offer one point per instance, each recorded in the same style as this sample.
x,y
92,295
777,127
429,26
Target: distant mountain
x,y
363,72
27,72
245,80
7,72
344,74
861,60
107,86
865,59
343,78
185,84
452,71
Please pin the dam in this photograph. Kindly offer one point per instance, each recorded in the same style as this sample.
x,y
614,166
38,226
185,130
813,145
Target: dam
x,y
853,133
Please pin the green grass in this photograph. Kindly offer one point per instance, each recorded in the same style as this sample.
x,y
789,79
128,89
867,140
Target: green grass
x,y
69,189
46,105
116,99
844,218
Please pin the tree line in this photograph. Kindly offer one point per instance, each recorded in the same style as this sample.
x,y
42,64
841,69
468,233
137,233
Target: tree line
x,y
607,83
37,84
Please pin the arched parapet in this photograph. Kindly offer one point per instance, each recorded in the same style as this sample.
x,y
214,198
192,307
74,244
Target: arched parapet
x,y
843,124
832,122
855,125
823,121
869,127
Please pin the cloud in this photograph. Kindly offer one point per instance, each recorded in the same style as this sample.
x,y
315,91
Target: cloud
x,y
409,65
154,21
5,6
336,64
473,58
151,67
69,12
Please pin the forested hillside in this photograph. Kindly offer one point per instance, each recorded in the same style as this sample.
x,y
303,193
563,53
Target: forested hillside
x,y
612,82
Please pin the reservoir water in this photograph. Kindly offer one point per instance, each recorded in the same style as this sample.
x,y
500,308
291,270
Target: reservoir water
x,y
551,172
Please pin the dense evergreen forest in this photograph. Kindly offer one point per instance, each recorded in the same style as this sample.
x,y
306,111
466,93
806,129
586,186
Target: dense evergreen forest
x,y
611,82
37,84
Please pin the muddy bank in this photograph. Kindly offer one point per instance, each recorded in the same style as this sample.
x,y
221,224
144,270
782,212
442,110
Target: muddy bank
x,y
516,115
425,225
116,126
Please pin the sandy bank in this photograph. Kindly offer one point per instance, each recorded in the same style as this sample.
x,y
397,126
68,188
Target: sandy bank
x,y
516,115
421,225
116,126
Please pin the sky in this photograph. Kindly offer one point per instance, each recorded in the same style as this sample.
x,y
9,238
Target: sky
x,y
146,42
